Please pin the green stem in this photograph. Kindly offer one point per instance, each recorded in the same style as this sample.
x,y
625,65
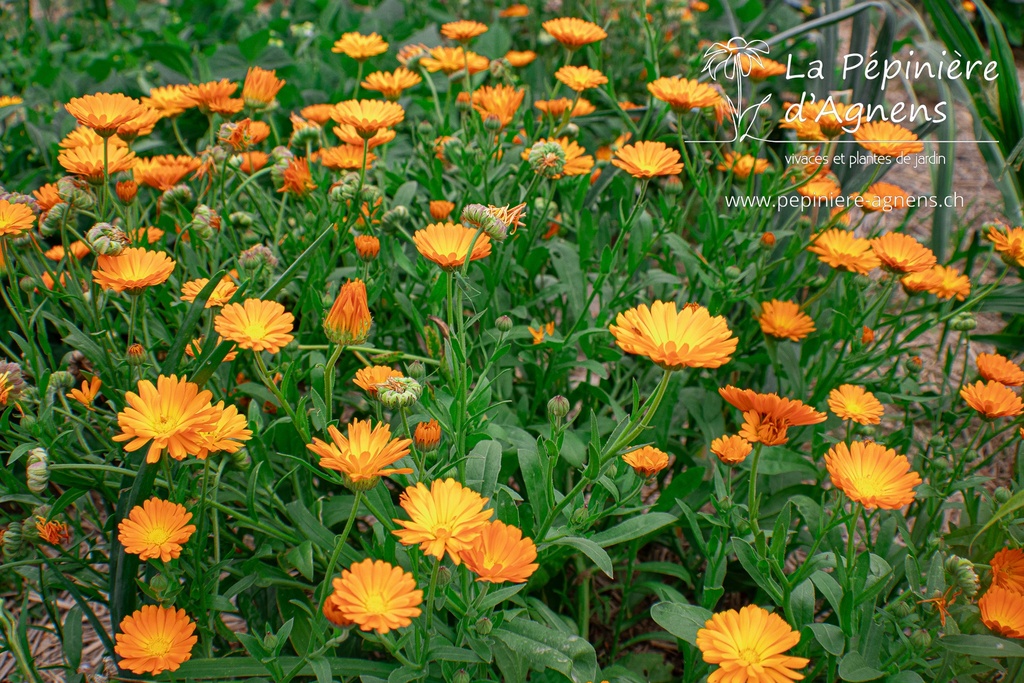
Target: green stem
x,y
329,380
432,594
339,546
261,369
752,490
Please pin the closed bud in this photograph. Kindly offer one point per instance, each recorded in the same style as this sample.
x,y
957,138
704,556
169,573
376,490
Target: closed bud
x,y
205,222
126,191
367,247
106,240
416,370
492,123
28,284
483,626
461,103
12,538
399,392
76,193
503,324
937,441
964,575
348,321
921,639
462,676
428,436
913,365
270,641
579,520
241,219
558,408
241,460
868,431
425,128
862,281
499,69
37,470
371,194
547,159
53,219
480,217
395,217
963,322
732,273
768,240
444,576
309,135
672,185
179,195
255,260
61,380
904,609
1001,495
159,584
136,355
817,281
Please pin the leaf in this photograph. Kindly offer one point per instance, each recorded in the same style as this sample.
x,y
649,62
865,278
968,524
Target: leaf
x,y
830,637
905,677
633,527
310,526
188,325
73,638
545,648
244,667
301,557
290,272
1014,503
982,646
682,621
590,549
483,466
533,476
854,668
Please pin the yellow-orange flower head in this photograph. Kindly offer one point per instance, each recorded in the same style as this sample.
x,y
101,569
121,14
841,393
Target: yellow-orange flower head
x,y
377,596
672,339
942,281
348,321
87,161
364,455
501,554
447,517
784,320
447,244
872,475
841,249
104,112
220,295
360,47
901,253
1009,243
157,529
992,400
648,160
500,101
1002,611
463,30
169,416
155,639
260,87
683,94
392,84
580,78
368,116
732,449
133,269
767,417
749,646
1008,569
255,324
992,366
887,139
851,402
646,461
574,33
15,218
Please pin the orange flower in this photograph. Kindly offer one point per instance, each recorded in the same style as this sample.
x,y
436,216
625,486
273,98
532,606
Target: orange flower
x,y
377,596
884,197
368,116
574,33
749,646
448,517
194,350
840,249
539,333
169,100
822,187
86,137
731,449
165,171
742,165
942,281
155,639
367,247
1008,569
871,474
500,101
55,533
447,244
133,269
887,139
360,47
297,179
157,529
348,322
391,84
15,218
682,94
673,340
144,235
428,436
46,196
243,134
580,78
784,320
252,161
514,11
214,97
992,400
760,68
168,416
576,161
901,253
441,209
367,379
350,136
364,456
220,295
463,31
767,417
992,366
255,324
851,402
142,124
260,87
87,394
646,461
452,59
88,161
318,113
556,108
104,112
520,59
1002,611
648,160
1009,244
346,156
502,554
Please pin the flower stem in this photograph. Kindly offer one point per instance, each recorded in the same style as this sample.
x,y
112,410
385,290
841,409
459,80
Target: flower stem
x,y
752,489
339,546
261,368
329,381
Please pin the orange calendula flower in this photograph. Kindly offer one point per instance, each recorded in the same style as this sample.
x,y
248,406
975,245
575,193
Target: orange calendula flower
x,y
784,320
542,331
675,339
133,270
377,596
574,33
447,244
942,281
901,253
427,436
168,416
144,235
1002,611
194,350
220,295
157,529
155,639
500,101
463,30
364,456
648,160
822,187
86,137
53,532
577,162
214,97
392,84
297,179
683,94
556,108
243,134
252,161
348,321
345,157
15,218
368,116
440,209
227,433
580,78
742,165
256,325
47,196
318,113
993,366
140,125
646,461
992,400
1008,569
502,554
367,379
887,139
760,68
367,247
749,646
519,58
514,11
872,475
360,47
884,197
851,402
1009,242
767,417
87,161
169,100
165,171
104,112
447,517
840,249
260,87
452,59
731,449
87,394
350,136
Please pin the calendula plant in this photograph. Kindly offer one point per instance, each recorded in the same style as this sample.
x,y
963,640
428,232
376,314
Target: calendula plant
x,y
521,343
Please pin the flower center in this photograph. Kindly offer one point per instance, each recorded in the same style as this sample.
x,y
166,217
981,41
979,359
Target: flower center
x,y
748,656
157,646
255,330
375,604
158,536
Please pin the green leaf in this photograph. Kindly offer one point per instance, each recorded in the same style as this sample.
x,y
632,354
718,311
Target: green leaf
x,y
590,549
536,487
545,648
483,466
310,526
301,557
73,638
905,677
682,621
854,668
830,637
1014,503
982,646
633,527
188,325
290,272
244,667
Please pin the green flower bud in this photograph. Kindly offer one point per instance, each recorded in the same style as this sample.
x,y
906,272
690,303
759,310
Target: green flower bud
x,y
306,136
462,676
921,639
416,370
425,128
395,217
37,471
913,365
241,219
963,573
963,322
479,216
370,194
179,195
444,576
483,626
503,324
240,459
205,222
12,538
159,583
76,193
62,380
547,159
732,273
135,355
571,130
1001,494
399,392
558,408
54,218
106,240
904,608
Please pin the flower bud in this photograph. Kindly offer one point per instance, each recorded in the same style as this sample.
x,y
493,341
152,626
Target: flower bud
x,y
12,538
241,219
135,355
106,240
270,641
579,520
416,370
425,128
428,436
76,193
462,676
240,459
479,216
367,247
503,324
61,380
37,470
904,609
732,273
371,194
126,191
395,217
1001,495
558,408
51,222
964,575
492,123
399,392
913,365
921,639
444,576
483,626
768,240
963,322
672,185
547,159
461,103
571,130
281,157
205,221
310,135
255,259
348,321
867,336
